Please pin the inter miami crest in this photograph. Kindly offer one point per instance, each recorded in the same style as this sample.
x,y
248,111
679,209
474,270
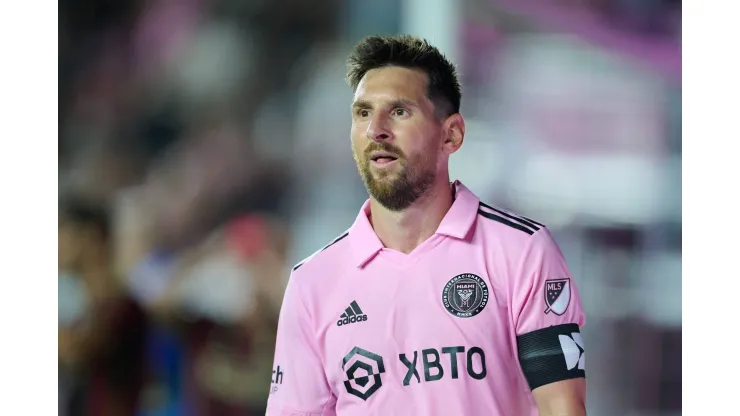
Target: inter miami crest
x,y
557,295
465,295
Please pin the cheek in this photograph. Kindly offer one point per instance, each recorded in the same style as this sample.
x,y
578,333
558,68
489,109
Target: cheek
x,y
357,131
424,156
358,141
420,145
355,147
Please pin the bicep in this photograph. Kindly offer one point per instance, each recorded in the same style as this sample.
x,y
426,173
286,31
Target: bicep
x,y
562,398
544,292
548,316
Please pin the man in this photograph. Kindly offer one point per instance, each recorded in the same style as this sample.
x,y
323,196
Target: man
x,y
101,330
432,303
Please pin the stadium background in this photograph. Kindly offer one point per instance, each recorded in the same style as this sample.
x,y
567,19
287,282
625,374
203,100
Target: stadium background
x,y
215,133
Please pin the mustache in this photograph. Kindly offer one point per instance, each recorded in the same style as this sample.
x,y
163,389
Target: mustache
x,y
383,147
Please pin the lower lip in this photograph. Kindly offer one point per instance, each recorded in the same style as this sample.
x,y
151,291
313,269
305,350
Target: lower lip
x,y
383,163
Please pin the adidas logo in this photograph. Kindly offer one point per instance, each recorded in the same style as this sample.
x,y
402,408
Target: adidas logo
x,y
352,314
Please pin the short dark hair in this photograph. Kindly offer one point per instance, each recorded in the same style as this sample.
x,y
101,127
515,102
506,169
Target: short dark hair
x,y
408,52
82,213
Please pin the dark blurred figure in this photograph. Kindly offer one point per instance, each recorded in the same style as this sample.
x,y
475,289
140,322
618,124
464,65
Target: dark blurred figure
x,y
222,297
101,330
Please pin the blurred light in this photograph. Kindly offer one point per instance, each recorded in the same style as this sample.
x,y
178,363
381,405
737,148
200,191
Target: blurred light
x,y
659,289
149,280
547,188
219,287
437,21
72,301
479,162
214,64
573,98
616,189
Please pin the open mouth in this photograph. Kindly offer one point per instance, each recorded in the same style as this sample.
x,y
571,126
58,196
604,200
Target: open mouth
x,y
382,158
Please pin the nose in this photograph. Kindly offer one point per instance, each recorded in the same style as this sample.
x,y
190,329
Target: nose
x,y
378,129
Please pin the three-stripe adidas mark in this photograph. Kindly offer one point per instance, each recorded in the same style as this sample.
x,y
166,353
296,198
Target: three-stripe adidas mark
x,y
352,314
518,222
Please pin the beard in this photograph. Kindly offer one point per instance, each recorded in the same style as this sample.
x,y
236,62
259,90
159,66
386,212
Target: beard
x,y
396,190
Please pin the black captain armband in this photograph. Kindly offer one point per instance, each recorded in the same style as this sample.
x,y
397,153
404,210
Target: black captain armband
x,y
552,354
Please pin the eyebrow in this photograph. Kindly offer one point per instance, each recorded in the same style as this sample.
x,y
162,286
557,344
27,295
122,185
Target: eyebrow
x,y
398,102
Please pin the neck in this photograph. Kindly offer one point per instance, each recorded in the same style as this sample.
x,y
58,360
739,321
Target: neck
x,y
405,230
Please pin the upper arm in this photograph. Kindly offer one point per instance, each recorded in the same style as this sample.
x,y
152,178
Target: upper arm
x,y
565,397
298,386
548,316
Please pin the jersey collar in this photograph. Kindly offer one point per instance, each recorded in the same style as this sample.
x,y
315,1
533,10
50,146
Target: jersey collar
x,y
456,224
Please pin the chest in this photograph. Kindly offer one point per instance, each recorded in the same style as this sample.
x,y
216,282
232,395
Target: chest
x,y
439,321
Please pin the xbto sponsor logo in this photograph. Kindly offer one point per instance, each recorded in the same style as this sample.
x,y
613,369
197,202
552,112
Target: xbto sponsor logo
x,y
364,368
474,362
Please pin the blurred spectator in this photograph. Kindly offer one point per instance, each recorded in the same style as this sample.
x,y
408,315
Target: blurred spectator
x,y
100,328
223,295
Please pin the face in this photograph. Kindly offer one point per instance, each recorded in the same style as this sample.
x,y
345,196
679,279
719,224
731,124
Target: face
x,y
70,245
78,245
397,140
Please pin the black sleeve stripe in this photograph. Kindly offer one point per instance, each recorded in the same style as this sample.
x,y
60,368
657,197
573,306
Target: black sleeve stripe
x,y
336,240
532,221
551,354
503,220
520,219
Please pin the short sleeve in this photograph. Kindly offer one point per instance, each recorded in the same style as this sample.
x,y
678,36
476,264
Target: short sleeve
x,y
298,386
547,314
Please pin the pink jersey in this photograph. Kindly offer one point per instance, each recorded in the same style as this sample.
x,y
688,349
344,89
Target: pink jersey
x,y
468,323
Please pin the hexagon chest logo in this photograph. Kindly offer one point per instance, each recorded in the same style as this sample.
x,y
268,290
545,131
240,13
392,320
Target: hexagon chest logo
x,y
363,369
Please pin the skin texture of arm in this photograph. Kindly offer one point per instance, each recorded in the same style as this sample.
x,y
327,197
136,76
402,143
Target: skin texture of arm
x,y
562,398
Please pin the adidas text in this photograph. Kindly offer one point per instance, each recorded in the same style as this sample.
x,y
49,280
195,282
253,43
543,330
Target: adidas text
x,y
351,320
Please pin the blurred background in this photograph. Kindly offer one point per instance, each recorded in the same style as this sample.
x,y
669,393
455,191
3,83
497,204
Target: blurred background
x,y
204,150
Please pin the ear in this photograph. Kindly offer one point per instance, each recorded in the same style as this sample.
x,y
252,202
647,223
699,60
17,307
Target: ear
x,y
454,130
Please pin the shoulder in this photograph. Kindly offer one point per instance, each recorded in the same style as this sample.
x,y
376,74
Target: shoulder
x,y
510,238
327,257
519,247
496,222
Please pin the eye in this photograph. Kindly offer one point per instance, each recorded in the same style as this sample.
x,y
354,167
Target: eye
x,y
400,112
363,113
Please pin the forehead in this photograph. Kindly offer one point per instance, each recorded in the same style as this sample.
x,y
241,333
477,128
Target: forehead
x,y
392,83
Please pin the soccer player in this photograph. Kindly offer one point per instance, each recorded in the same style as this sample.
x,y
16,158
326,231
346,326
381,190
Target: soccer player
x,y
432,303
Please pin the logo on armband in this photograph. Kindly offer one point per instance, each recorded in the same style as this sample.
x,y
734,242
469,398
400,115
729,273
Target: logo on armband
x,y
557,296
573,351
